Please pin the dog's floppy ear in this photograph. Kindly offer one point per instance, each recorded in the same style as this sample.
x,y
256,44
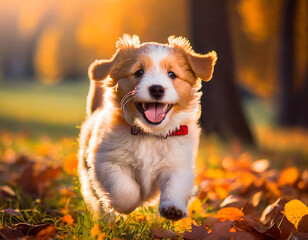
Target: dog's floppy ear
x,y
202,65
100,69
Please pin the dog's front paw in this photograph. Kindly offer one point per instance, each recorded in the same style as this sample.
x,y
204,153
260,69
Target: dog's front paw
x,y
172,211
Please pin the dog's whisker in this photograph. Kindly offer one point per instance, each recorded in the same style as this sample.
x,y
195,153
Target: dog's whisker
x,y
124,99
124,104
127,97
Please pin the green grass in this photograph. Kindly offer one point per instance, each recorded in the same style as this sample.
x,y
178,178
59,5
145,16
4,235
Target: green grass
x,y
35,107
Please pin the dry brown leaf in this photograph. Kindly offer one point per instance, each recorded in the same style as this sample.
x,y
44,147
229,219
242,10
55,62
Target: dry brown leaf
x,y
303,224
28,231
34,182
197,232
10,233
299,236
273,212
220,230
12,212
162,233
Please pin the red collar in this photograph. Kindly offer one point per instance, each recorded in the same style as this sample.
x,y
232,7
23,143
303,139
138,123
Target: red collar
x,y
182,131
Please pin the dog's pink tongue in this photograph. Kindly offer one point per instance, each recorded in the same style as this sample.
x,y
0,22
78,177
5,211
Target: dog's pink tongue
x,y
155,112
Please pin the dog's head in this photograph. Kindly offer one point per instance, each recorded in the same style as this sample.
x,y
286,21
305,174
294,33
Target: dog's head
x,y
154,82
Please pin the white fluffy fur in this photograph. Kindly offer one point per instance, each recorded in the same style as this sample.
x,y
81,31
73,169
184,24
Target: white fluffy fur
x,y
119,171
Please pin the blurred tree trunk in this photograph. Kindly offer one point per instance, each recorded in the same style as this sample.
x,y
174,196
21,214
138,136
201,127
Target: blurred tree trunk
x,y
293,101
303,108
221,105
287,99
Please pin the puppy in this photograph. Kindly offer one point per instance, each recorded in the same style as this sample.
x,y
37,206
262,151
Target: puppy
x,y
141,133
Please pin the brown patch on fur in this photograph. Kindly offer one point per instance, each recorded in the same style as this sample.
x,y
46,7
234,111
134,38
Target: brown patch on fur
x,y
144,62
177,63
129,82
202,65
183,89
130,60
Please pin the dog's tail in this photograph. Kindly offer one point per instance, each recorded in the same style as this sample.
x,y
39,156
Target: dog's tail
x,y
95,97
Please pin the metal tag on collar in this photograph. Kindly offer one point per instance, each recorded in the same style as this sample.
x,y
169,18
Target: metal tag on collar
x,y
134,130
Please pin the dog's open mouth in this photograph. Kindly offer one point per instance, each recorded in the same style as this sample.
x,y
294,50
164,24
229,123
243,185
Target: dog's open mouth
x,y
154,112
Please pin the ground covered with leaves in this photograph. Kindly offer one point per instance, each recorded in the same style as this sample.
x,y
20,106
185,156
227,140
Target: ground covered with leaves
x,y
242,193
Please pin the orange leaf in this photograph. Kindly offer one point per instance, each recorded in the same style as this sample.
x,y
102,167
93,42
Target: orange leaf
x,y
230,213
68,219
288,176
46,233
96,231
295,210
70,164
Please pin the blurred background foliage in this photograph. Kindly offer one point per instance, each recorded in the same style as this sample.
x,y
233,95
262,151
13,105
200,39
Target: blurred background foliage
x,y
47,46
55,40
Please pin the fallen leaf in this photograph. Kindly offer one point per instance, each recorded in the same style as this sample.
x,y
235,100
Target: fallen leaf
x,y
229,213
162,233
68,219
7,233
12,212
70,164
295,210
48,174
256,225
196,233
210,221
96,232
303,224
273,212
260,165
287,229
24,231
288,176
299,236
44,233
33,182
7,190
232,201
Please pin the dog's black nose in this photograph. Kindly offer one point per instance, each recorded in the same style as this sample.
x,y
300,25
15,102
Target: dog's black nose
x,y
156,91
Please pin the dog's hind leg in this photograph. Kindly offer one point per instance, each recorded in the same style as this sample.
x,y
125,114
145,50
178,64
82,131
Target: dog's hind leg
x,y
95,96
91,200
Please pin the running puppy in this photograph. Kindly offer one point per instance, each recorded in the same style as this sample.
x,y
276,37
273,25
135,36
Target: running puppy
x,y
141,133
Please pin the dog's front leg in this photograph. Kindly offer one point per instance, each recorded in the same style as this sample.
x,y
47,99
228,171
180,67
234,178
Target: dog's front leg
x,y
176,189
116,181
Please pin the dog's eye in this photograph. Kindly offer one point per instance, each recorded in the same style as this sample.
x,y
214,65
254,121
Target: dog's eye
x,y
139,73
171,75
